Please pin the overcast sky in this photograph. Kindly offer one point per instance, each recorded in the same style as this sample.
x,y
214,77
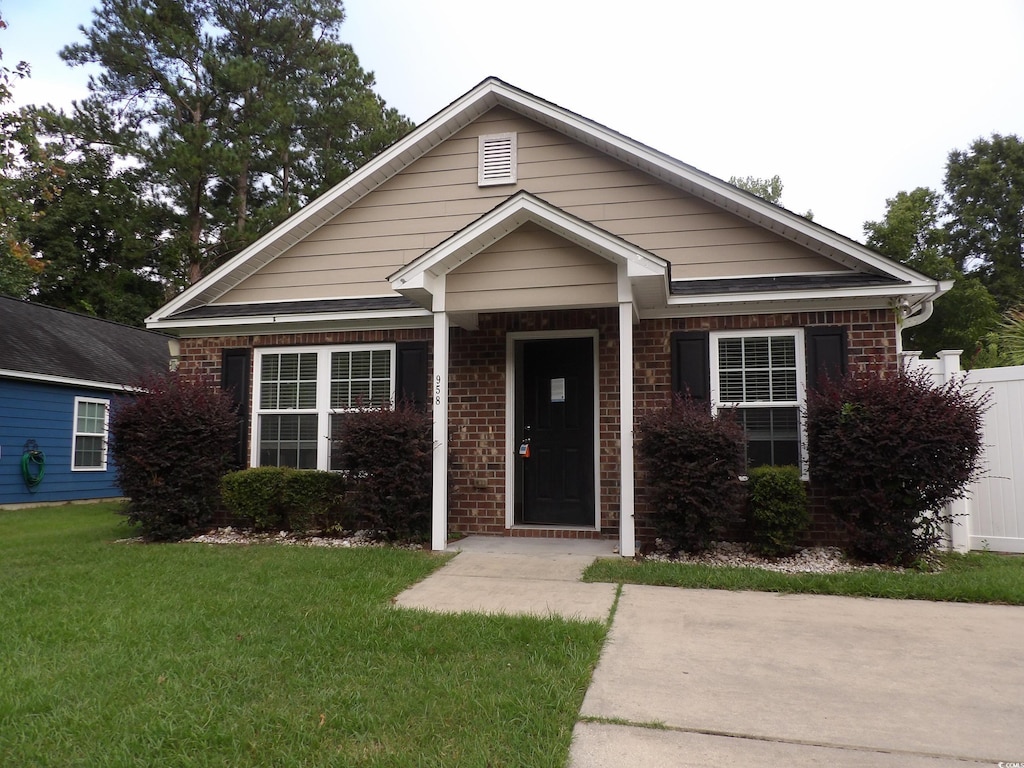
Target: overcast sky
x,y
849,102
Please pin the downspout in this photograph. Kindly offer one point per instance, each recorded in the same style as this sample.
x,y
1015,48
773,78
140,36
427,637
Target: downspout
x,y
174,353
922,315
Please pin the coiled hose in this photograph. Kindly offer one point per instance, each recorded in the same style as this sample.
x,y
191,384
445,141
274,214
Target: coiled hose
x,y
33,467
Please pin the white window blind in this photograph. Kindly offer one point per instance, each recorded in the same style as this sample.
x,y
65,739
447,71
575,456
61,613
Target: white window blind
x,y
759,376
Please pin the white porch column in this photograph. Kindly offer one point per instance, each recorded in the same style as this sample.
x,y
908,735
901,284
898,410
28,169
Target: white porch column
x,y
439,410
627,528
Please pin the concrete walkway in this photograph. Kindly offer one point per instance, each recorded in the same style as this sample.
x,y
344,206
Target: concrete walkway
x,y
495,574
715,678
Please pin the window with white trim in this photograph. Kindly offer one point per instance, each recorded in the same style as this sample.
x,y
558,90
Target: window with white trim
x,y
89,450
301,393
761,375
496,159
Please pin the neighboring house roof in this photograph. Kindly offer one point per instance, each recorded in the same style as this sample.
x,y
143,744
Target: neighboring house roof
x,y
46,344
913,288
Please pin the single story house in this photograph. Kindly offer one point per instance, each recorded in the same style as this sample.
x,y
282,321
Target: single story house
x,y
59,374
538,281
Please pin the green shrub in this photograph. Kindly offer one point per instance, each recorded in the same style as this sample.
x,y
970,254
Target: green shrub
x,y
891,453
777,509
388,454
285,499
171,444
315,500
254,496
692,462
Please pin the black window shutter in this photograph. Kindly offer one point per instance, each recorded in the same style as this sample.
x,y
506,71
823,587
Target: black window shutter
x,y
691,371
234,377
411,373
826,354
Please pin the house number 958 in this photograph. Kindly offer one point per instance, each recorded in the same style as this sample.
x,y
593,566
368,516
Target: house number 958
x,y
437,389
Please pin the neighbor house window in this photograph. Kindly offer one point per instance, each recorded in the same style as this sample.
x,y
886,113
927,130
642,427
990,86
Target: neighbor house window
x,y
89,452
300,394
760,374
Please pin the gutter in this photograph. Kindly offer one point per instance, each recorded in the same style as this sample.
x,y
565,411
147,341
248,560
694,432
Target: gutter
x,y
923,314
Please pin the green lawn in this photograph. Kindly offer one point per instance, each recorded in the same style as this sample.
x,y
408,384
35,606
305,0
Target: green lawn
x,y
979,577
118,654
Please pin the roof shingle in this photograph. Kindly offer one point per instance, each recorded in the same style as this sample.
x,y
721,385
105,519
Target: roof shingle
x,y
37,339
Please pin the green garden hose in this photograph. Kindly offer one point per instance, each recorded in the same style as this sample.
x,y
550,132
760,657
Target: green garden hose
x,y
30,459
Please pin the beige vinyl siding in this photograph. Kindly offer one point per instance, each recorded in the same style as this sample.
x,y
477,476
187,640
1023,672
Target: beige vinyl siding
x,y
531,268
437,195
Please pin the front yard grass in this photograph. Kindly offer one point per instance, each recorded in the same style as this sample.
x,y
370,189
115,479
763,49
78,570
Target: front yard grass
x,y
977,577
116,654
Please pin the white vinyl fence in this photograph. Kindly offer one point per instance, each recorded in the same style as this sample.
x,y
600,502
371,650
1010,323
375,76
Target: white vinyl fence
x,y
992,517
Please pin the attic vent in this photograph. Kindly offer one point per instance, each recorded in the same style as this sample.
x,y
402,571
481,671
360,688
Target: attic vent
x,y
497,160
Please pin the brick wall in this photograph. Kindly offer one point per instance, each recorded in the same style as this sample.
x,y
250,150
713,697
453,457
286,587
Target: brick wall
x,y
477,393
871,346
478,413
202,358
477,403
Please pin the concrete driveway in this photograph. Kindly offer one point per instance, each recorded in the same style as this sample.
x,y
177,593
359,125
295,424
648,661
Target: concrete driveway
x,y
713,678
747,678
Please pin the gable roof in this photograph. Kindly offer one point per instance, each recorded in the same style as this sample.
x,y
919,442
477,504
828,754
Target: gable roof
x,y
642,267
491,93
46,344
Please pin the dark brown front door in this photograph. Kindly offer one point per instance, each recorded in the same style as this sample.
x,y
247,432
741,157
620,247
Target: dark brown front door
x,y
554,395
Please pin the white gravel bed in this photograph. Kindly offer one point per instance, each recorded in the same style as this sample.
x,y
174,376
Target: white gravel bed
x,y
722,553
808,560
242,536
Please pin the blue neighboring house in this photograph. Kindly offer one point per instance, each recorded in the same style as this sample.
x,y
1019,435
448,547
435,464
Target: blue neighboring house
x,y
60,373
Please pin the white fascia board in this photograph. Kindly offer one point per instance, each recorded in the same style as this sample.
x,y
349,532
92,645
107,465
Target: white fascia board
x,y
727,308
284,323
836,294
789,301
44,378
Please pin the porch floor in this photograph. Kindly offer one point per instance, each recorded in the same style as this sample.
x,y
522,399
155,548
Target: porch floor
x,y
531,545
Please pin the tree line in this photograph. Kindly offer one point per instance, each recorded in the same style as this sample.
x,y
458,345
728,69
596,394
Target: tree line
x,y
209,122
972,231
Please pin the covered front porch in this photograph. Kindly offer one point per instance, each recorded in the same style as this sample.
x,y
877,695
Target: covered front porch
x,y
533,434
532,382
